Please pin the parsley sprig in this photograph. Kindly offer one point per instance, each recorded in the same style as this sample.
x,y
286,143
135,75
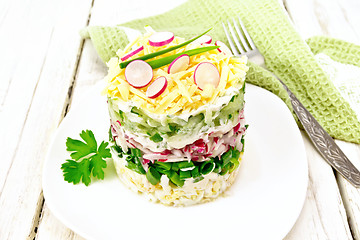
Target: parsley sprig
x,y
87,159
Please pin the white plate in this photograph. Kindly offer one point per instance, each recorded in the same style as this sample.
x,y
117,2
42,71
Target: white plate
x,y
264,202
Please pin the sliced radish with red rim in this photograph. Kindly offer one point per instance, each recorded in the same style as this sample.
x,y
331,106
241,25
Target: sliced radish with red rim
x,y
180,63
138,73
159,39
206,73
132,53
203,39
223,48
157,87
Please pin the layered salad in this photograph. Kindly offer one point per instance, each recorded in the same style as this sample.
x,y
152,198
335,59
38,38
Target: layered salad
x,y
177,116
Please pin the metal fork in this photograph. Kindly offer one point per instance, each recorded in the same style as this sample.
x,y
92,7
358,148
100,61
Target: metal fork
x,y
241,44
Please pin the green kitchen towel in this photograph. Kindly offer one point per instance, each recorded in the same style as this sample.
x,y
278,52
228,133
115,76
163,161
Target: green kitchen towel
x,y
287,55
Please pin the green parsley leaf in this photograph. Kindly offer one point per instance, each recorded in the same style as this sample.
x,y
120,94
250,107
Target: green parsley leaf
x,y
87,159
96,166
103,151
79,148
74,172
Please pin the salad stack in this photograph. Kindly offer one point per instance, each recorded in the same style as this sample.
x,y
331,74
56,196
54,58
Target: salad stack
x,y
177,116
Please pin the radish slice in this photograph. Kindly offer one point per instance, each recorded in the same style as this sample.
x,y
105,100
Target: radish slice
x,y
159,39
203,39
130,54
157,87
138,73
223,48
180,63
206,73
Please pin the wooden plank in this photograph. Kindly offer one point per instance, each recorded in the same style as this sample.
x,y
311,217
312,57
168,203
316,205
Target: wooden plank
x,y
349,10
6,65
323,208
332,17
54,229
338,19
318,17
350,194
110,12
44,47
323,215
19,77
305,23
90,71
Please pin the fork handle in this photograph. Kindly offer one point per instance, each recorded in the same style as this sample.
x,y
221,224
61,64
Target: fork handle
x,y
323,142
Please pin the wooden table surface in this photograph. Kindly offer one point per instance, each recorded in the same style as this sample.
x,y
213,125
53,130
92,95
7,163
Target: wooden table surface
x,y
45,67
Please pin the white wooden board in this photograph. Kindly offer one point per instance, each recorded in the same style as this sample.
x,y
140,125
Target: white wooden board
x,y
42,55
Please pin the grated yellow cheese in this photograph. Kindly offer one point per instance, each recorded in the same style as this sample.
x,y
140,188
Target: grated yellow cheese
x,y
182,94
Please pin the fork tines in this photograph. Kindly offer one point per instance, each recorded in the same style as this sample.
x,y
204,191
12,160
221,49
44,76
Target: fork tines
x,y
238,34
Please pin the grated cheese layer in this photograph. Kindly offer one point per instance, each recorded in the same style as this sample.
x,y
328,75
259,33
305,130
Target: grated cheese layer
x,y
182,94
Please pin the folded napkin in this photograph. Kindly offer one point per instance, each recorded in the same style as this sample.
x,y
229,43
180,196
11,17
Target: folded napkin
x,y
287,55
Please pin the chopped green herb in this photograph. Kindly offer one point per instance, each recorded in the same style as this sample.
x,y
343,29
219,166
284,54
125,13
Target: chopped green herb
x,y
122,115
133,110
173,128
185,164
234,164
184,175
175,167
163,171
235,155
207,167
153,176
131,165
135,152
110,135
243,144
117,149
202,116
217,168
156,138
243,88
178,172
175,179
163,165
226,157
195,172
225,169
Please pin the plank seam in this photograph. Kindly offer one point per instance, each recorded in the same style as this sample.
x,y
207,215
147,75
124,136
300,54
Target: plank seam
x,y
2,104
285,4
37,218
27,113
64,112
345,202
68,99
